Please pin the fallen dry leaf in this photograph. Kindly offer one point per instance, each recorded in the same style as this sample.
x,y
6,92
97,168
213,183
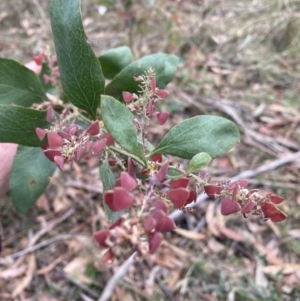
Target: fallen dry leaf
x,y
285,269
50,266
25,282
76,268
190,234
270,257
230,233
13,272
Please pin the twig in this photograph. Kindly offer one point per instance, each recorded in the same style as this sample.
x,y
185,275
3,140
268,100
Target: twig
x,y
81,286
34,248
113,281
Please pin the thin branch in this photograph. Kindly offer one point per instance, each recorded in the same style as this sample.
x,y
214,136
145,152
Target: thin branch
x,y
113,281
245,174
36,247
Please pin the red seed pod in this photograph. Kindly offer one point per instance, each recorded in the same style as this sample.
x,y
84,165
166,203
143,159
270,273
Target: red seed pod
x,y
154,241
153,84
54,140
163,222
41,133
276,199
162,93
127,96
178,197
59,161
94,128
156,158
50,154
122,199
278,217
50,114
117,223
80,153
192,197
162,117
160,176
248,207
98,146
159,204
234,191
149,224
110,140
100,237
109,256
269,210
180,183
212,190
127,182
228,206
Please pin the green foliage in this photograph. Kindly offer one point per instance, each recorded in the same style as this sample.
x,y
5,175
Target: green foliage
x,y
114,60
118,121
18,124
80,71
211,134
165,66
29,176
19,85
198,162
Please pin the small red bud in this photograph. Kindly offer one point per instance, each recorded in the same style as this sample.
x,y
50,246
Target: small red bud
x,y
98,146
59,161
212,190
178,197
100,237
54,140
162,117
50,114
41,133
127,96
228,206
154,240
153,84
162,93
94,128
127,182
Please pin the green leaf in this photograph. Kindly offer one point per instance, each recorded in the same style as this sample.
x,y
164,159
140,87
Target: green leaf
x,y
118,120
19,85
29,176
198,162
18,124
114,60
165,66
210,134
80,71
108,180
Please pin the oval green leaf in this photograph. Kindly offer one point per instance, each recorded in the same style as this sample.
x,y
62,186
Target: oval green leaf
x,y
18,124
198,162
165,66
114,60
19,85
210,134
118,120
29,178
80,71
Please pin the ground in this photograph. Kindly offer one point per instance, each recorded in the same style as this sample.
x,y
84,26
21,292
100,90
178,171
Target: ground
x,y
239,60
